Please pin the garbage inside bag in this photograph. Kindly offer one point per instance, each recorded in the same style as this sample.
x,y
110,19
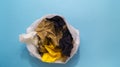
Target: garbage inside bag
x,y
51,39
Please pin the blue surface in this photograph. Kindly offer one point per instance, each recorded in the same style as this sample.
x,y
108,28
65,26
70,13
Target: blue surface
x,y
97,20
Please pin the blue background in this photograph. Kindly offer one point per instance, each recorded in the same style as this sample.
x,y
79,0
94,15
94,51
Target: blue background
x,y
97,20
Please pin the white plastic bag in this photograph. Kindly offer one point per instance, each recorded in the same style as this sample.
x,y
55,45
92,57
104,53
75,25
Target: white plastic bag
x,y
30,33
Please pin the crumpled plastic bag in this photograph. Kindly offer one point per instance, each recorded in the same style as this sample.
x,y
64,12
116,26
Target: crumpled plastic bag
x,y
28,38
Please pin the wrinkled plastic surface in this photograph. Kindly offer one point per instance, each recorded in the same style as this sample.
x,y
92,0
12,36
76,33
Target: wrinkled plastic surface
x,y
28,37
